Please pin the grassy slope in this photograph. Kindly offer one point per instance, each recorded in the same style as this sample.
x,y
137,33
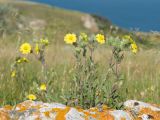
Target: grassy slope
x,y
60,21
141,72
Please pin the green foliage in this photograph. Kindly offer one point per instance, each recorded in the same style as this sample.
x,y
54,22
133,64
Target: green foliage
x,y
88,88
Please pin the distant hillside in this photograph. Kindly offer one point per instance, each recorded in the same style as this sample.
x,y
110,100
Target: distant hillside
x,y
39,20
54,21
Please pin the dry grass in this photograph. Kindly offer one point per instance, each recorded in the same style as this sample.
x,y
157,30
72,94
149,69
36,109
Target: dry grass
x,y
141,72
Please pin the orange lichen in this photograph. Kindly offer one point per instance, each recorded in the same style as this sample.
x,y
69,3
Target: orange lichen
x,y
154,114
4,115
36,107
88,114
61,113
95,113
37,113
26,103
8,107
105,107
47,113
105,116
21,107
123,118
38,118
98,113
92,112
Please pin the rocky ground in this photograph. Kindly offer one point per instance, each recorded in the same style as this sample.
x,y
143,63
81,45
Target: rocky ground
x,y
34,110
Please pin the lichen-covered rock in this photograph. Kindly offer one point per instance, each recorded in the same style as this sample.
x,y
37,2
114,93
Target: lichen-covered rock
x,y
34,110
144,111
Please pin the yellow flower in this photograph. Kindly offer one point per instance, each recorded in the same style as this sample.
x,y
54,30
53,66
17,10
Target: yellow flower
x,y
134,51
43,87
134,48
152,88
70,38
100,38
128,37
13,74
19,61
37,49
31,97
44,41
84,36
25,48
23,59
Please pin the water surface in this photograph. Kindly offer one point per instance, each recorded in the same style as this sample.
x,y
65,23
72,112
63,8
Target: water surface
x,y
130,14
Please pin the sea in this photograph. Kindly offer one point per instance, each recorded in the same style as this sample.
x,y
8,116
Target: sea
x,y
141,15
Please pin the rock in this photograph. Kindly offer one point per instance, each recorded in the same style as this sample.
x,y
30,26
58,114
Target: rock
x,y
37,24
34,110
143,110
4,115
89,23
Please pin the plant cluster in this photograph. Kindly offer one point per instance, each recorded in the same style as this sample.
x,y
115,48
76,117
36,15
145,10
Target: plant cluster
x,y
88,87
37,50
